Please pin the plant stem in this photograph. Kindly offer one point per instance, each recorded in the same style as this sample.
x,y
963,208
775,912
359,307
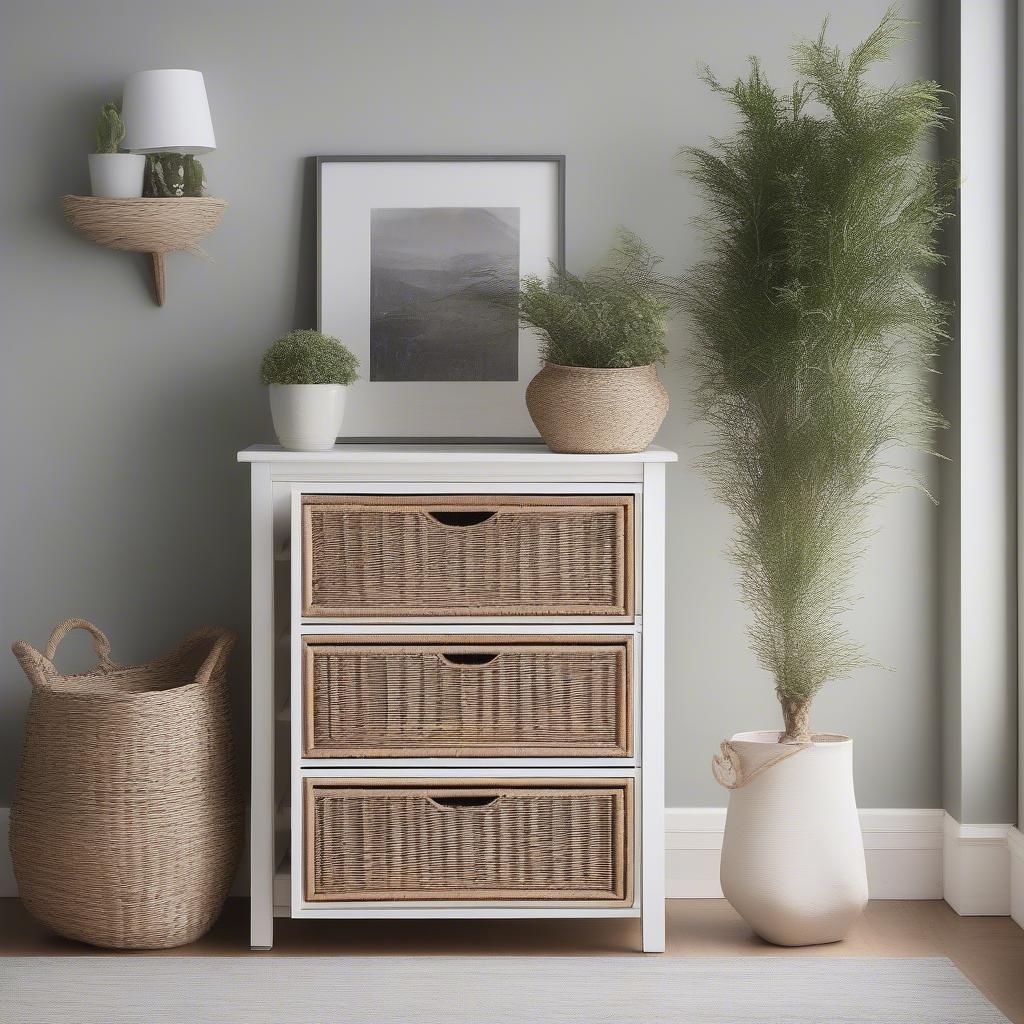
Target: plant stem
x,y
797,718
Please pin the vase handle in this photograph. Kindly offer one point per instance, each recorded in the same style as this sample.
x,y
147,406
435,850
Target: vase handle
x,y
727,767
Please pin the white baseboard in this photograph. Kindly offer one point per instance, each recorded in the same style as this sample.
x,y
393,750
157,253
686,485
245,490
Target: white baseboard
x,y
903,849
693,847
911,855
976,868
1015,842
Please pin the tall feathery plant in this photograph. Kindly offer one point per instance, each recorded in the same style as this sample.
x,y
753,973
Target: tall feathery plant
x,y
813,330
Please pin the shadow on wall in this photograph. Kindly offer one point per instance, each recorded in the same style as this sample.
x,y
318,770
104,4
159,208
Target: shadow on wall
x,y
306,264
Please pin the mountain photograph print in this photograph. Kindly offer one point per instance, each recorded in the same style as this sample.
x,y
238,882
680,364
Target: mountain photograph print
x,y
437,278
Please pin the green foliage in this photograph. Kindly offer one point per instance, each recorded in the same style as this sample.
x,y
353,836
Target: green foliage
x,y
615,316
813,330
308,357
109,129
173,176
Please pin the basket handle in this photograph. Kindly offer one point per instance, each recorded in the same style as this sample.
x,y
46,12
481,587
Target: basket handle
x,y
218,653
479,659
475,803
461,518
727,767
100,643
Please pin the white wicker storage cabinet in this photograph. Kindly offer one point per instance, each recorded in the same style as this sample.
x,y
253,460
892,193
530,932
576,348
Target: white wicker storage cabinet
x,y
457,684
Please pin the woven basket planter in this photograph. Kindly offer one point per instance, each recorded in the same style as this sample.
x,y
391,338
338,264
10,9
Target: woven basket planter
x,y
126,827
588,411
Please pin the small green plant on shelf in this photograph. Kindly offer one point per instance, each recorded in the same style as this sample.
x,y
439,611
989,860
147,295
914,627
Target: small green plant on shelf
x,y
308,357
173,176
614,316
109,129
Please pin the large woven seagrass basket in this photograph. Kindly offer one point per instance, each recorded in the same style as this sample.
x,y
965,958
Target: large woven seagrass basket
x,y
126,827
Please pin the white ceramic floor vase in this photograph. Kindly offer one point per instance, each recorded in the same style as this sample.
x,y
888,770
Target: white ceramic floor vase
x,y
793,854
307,417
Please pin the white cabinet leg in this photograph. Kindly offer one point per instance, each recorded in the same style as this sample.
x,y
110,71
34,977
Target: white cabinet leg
x,y
261,795
652,696
652,908
654,932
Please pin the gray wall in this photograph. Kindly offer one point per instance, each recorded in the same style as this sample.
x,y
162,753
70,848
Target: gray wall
x,y
122,501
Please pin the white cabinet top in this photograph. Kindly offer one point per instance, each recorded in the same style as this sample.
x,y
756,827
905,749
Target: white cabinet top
x,y
433,452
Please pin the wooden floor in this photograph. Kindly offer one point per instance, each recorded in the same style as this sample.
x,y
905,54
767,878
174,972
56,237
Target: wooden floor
x,y
989,950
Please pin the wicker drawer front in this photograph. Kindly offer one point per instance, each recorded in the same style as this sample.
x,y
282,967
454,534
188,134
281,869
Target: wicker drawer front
x,y
487,840
451,555
467,696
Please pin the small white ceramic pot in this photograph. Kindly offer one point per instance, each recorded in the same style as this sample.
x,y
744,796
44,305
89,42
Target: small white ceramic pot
x,y
307,417
117,175
793,853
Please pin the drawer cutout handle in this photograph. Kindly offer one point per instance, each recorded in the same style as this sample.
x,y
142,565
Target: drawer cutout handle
x,y
470,659
462,518
451,803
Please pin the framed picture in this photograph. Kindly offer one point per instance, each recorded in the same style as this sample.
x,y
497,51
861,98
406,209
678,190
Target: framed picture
x,y
419,261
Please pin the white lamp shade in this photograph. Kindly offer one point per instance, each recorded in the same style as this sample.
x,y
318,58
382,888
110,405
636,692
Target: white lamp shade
x,y
167,110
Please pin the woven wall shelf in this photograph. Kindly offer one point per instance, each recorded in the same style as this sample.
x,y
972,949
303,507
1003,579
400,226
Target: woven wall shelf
x,y
153,226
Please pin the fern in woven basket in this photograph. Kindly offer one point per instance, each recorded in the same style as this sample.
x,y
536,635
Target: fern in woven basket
x,y
613,317
812,329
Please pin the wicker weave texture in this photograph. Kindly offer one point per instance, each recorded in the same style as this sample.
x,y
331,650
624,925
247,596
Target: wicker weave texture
x,y
144,225
513,697
496,840
590,410
393,556
126,827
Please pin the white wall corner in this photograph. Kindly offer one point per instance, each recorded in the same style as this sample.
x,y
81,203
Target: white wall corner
x,y
1015,842
976,868
903,849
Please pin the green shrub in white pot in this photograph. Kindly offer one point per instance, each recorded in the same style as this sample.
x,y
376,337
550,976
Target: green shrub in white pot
x,y
307,373
113,174
813,331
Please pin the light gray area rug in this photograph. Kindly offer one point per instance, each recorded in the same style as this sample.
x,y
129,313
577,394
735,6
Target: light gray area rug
x,y
487,990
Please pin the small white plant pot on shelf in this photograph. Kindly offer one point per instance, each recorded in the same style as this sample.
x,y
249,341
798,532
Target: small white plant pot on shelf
x,y
307,417
793,854
117,175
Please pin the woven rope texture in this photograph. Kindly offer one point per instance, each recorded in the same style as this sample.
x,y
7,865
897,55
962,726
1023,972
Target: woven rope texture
x,y
589,411
423,700
510,841
144,225
467,555
126,827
